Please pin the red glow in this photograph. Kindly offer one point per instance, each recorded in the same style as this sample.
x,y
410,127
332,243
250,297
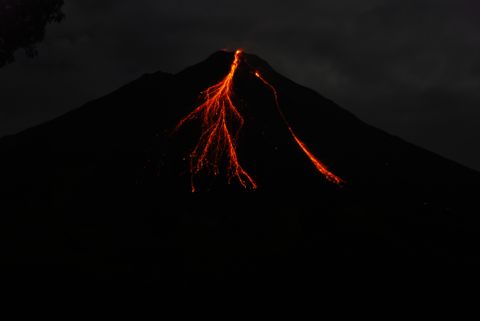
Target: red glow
x,y
221,123
219,114
318,165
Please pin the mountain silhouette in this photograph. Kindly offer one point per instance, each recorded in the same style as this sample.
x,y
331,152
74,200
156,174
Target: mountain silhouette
x,y
104,191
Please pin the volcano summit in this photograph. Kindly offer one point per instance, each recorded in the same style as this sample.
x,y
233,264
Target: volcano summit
x,y
105,190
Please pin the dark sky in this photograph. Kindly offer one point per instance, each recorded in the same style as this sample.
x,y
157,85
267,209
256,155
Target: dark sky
x,y
411,68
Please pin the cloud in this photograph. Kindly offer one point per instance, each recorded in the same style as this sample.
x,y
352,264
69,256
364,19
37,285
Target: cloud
x,y
409,67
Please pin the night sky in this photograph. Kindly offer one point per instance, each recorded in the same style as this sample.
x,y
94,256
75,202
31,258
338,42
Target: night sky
x,y
411,68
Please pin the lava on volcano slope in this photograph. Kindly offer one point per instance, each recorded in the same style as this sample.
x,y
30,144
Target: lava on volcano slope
x,y
221,123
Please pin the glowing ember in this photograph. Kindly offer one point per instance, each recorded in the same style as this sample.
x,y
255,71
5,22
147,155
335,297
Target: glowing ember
x,y
219,114
318,165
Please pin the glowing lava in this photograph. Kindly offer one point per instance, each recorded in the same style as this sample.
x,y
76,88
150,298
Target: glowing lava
x,y
318,165
221,123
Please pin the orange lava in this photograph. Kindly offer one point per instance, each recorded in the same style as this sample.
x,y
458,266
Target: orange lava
x,y
221,123
318,165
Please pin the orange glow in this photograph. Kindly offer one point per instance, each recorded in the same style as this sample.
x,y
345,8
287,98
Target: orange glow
x,y
217,141
318,165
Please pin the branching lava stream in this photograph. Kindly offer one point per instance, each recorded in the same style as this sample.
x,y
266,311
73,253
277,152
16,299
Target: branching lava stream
x,y
220,124
218,115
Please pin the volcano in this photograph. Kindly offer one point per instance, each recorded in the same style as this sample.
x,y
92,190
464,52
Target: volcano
x,y
104,191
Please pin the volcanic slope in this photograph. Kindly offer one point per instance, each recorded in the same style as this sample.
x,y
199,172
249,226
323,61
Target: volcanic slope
x,y
104,191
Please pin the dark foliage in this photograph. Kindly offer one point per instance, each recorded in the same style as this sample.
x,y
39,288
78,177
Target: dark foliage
x,y
22,25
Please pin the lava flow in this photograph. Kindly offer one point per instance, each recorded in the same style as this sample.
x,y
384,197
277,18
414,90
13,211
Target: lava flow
x,y
219,114
318,165
221,122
